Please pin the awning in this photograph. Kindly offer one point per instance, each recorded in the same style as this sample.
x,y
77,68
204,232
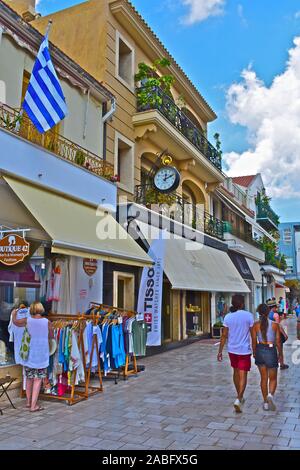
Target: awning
x,y
233,207
196,267
255,269
241,265
278,280
77,229
24,278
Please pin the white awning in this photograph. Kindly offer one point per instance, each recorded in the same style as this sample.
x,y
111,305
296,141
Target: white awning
x,y
75,229
279,279
193,266
255,269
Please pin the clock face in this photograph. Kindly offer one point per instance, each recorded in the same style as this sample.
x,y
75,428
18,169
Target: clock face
x,y
166,179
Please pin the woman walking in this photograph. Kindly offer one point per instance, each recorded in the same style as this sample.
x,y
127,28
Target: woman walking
x,y
266,341
37,362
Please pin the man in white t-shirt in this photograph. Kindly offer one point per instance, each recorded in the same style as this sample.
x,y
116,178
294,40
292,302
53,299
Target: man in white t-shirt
x,y
237,330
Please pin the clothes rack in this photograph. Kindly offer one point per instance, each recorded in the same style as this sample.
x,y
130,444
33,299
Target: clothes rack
x,y
130,358
83,391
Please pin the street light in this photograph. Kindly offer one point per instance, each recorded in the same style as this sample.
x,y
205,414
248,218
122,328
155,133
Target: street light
x,y
263,273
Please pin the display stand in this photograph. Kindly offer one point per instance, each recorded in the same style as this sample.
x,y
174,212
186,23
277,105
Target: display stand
x,y
130,358
77,394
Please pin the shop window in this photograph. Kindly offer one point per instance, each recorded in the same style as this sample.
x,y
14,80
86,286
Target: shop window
x,y
123,290
18,284
124,162
124,61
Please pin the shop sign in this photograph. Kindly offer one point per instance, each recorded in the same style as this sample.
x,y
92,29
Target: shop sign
x,y
150,293
90,266
13,249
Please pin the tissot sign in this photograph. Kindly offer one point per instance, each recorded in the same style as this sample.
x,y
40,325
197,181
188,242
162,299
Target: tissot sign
x,y
13,249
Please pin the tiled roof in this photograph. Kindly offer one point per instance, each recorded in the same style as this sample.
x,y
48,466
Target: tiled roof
x,y
244,181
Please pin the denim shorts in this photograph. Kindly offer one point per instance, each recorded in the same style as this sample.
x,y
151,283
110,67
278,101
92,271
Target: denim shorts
x,y
266,356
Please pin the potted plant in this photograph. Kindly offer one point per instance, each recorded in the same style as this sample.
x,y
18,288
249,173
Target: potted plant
x,y
79,158
217,329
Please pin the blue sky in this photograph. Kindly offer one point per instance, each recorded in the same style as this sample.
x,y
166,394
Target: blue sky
x,y
214,51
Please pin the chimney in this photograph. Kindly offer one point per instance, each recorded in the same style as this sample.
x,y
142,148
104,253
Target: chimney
x,y
25,8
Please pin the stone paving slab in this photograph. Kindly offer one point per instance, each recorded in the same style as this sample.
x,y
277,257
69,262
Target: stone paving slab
x,y
183,400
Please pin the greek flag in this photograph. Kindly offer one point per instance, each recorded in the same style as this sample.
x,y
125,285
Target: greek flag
x,y
44,101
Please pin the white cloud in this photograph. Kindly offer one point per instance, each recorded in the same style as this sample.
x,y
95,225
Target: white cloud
x,y
297,15
272,118
240,10
200,10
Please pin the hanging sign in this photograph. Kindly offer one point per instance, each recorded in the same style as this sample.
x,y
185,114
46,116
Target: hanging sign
x,y
150,293
13,249
90,266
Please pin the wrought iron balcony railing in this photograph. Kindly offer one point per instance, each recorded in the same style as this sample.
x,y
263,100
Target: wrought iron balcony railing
x,y
156,98
174,206
13,121
247,237
265,212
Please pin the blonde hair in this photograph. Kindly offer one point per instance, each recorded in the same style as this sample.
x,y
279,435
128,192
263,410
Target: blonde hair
x,y
36,308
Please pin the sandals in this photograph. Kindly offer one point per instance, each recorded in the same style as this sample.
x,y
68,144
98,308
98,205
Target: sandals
x,y
40,408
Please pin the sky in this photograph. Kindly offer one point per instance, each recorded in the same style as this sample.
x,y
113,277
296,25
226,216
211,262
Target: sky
x,y
244,58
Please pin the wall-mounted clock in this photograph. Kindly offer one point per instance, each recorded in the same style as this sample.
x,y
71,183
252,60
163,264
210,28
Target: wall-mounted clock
x,y
167,179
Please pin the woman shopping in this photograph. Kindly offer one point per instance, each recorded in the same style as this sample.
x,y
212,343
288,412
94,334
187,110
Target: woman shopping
x,y
267,351
40,331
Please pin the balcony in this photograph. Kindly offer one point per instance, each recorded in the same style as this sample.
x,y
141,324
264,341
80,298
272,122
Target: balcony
x,y
160,101
172,205
12,121
266,217
246,237
239,195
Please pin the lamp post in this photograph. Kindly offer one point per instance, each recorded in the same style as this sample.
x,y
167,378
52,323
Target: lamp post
x,y
263,273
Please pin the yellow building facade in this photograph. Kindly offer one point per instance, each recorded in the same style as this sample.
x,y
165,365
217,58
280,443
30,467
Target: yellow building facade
x,y
109,38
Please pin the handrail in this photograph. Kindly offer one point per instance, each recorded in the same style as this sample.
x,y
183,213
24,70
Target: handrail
x,y
16,122
174,206
247,237
156,98
264,211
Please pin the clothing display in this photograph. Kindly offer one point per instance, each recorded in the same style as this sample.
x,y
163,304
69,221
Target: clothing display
x,y
68,357
16,334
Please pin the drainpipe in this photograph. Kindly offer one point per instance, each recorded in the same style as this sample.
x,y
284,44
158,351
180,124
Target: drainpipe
x,y
108,115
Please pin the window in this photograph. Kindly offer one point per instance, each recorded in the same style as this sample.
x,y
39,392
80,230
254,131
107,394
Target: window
x,y
124,61
290,265
2,92
287,236
124,290
124,162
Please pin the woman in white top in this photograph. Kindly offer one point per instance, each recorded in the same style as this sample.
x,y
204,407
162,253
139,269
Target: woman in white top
x,y
40,330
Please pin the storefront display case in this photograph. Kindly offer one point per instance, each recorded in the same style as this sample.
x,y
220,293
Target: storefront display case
x,y
194,320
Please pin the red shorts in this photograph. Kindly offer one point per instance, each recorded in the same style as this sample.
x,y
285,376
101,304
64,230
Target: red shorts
x,y
241,362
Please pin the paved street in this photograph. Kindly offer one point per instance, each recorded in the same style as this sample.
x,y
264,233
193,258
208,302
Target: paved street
x,y
182,401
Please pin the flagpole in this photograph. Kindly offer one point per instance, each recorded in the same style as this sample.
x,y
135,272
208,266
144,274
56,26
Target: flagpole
x,y
48,27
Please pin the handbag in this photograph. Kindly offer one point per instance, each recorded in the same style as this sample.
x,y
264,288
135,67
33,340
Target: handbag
x,y
283,338
25,345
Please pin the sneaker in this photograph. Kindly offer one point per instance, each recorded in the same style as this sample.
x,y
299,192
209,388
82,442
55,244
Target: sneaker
x,y
243,401
271,402
237,406
284,366
266,406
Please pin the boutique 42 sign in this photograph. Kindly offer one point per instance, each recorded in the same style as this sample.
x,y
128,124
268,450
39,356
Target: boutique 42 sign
x,y
13,249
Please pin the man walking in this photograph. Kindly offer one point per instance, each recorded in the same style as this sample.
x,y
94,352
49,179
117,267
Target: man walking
x,y
237,330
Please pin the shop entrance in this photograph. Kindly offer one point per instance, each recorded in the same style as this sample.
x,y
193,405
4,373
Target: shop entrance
x,y
124,290
197,313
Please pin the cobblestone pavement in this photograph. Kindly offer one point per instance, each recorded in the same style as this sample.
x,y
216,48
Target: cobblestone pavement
x,y
183,400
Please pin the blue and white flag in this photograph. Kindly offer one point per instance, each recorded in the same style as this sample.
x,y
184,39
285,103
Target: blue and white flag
x,y
44,101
